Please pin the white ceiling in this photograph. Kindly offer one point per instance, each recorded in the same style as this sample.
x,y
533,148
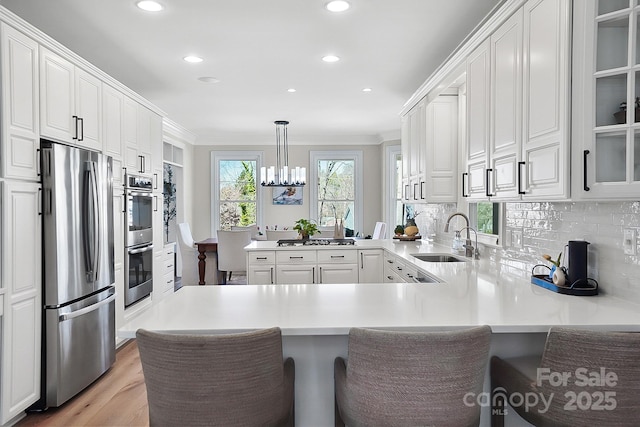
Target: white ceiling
x,y
260,48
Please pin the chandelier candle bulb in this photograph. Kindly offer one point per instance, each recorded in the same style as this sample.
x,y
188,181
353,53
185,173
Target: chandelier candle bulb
x,y
271,175
303,175
263,175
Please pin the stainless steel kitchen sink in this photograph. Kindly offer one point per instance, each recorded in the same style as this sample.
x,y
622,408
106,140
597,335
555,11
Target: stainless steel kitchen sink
x,y
438,258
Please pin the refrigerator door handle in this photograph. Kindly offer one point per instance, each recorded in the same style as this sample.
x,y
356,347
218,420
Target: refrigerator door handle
x,y
90,223
85,310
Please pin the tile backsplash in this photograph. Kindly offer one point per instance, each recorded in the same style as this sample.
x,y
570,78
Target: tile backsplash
x,y
547,227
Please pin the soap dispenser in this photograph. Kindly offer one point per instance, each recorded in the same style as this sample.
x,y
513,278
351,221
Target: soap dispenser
x,y
458,244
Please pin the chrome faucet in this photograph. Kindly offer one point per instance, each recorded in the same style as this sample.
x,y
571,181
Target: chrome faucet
x,y
467,245
469,249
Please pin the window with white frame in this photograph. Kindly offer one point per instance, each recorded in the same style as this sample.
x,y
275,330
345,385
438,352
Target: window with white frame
x,y
336,188
235,199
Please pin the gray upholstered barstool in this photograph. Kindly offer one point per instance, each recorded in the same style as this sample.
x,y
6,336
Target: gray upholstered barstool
x,y
585,378
411,378
217,380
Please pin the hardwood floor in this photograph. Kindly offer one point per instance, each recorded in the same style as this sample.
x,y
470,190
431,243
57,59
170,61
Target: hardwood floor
x,y
118,398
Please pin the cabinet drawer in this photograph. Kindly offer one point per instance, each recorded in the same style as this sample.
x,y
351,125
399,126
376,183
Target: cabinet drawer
x,y
295,257
169,265
338,256
167,282
262,257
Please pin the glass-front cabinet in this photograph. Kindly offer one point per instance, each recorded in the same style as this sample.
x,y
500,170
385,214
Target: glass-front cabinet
x,y
606,99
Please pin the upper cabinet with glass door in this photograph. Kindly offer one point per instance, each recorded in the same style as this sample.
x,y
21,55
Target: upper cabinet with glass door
x,y
606,100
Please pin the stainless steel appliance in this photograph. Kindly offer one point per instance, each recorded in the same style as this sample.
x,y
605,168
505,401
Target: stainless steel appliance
x,y
79,296
139,210
138,238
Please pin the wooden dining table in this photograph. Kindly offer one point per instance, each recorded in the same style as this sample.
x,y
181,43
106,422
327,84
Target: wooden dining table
x,y
206,245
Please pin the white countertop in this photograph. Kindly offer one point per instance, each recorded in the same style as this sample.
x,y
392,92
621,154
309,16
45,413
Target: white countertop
x,y
473,293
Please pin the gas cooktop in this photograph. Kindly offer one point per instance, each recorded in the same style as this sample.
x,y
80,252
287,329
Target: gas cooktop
x,y
315,242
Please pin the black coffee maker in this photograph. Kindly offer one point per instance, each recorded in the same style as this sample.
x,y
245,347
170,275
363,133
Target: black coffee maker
x,y
576,260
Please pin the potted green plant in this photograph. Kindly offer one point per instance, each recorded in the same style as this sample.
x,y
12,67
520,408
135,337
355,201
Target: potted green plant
x,y
305,228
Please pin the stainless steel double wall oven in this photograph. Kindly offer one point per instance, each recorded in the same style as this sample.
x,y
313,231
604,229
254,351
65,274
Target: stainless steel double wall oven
x,y
138,237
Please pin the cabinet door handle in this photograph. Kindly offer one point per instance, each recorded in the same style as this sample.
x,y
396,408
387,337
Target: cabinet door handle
x,y
313,275
75,121
520,164
337,256
296,257
584,170
320,275
81,121
464,174
261,257
361,260
415,192
271,272
40,195
406,192
141,163
422,190
155,199
487,174
155,180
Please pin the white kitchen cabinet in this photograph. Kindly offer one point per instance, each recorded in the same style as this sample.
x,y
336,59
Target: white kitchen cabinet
x,y
440,183
70,102
546,94
22,281
143,137
505,126
293,274
118,252
606,153
261,267
337,266
429,151
296,267
159,267
371,265
478,76
155,136
112,117
337,273
261,275
414,151
20,105
405,149
517,107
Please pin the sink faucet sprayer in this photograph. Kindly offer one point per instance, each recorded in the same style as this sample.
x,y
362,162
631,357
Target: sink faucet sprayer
x,y
470,251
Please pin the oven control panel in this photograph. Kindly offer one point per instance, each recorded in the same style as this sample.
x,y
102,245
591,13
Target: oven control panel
x,y
139,181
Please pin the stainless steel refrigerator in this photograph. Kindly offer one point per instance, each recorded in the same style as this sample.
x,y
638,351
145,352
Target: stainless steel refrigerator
x,y
78,279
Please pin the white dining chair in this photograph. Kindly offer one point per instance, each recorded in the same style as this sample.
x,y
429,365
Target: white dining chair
x,y
379,231
189,255
252,228
231,254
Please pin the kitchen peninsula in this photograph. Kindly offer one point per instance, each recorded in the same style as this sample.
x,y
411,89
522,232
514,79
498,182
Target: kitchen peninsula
x,y
315,318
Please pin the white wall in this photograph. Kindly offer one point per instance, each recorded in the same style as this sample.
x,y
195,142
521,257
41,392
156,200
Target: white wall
x,y
284,215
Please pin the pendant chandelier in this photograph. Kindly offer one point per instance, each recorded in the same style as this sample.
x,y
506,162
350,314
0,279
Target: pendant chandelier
x,y
281,175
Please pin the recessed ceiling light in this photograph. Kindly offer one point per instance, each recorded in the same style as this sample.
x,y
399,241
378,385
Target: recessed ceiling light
x,y
193,59
150,6
366,89
331,58
291,90
209,80
337,6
